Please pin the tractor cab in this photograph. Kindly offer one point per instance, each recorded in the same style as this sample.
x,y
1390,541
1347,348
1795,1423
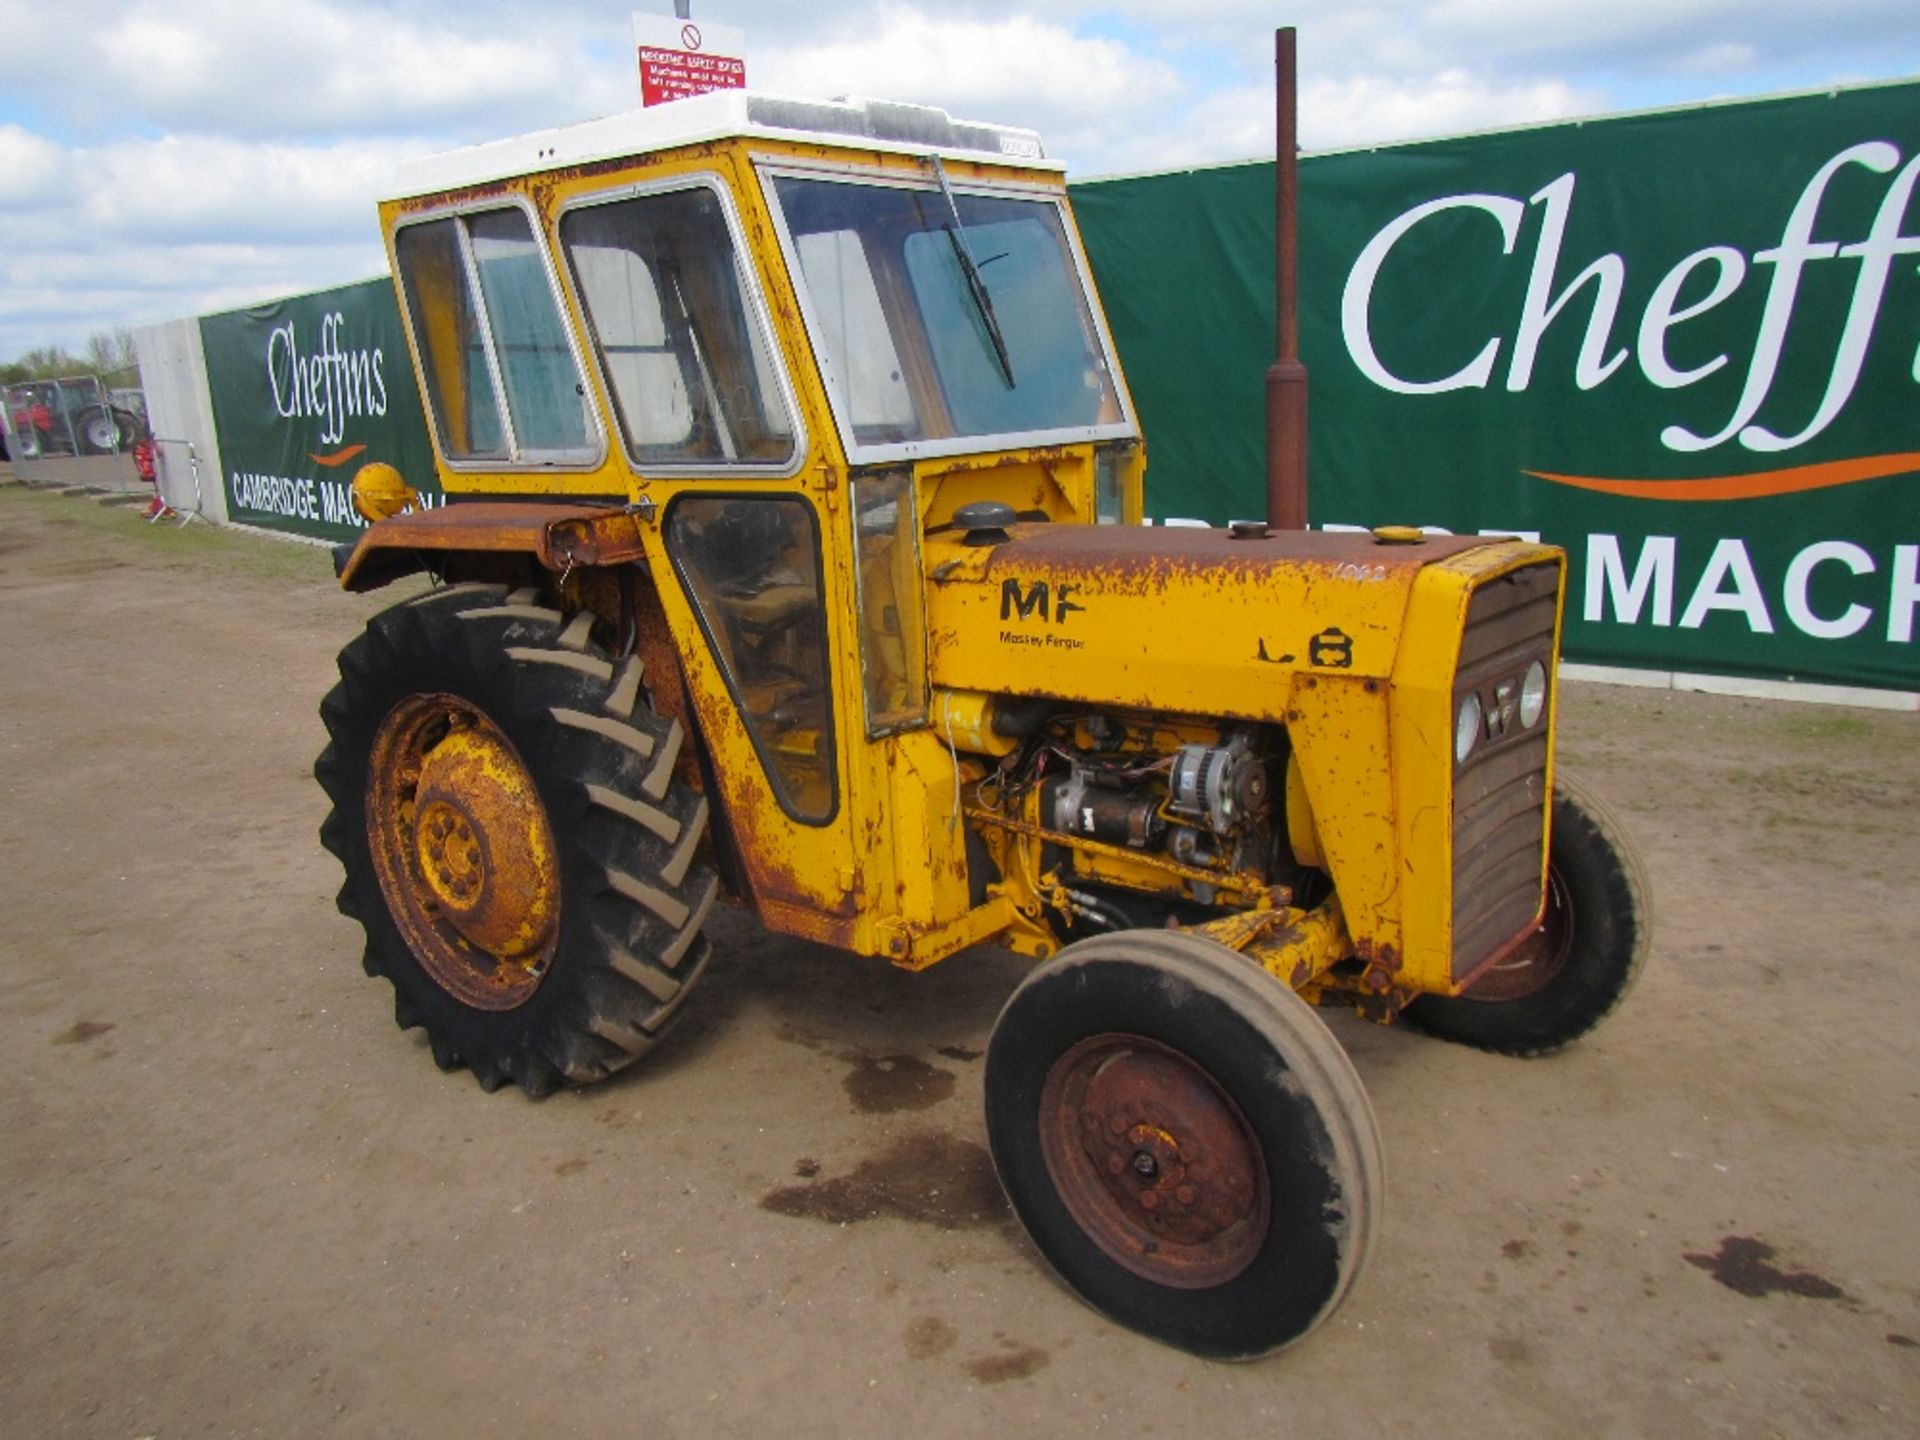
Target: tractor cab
x,y
795,339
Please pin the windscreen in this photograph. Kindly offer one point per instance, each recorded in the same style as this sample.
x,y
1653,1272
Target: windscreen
x,y
942,315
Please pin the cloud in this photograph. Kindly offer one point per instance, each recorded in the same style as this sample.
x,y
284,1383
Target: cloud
x,y
1361,110
1370,109
208,188
1018,70
138,231
165,157
1666,35
33,166
301,68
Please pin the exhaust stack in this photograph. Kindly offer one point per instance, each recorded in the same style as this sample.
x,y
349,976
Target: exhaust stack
x,y
1287,377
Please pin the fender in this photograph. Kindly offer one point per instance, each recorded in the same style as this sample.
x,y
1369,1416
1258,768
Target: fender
x,y
558,537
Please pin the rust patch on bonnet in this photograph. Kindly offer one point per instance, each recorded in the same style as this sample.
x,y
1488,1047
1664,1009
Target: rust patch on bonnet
x,y
1146,559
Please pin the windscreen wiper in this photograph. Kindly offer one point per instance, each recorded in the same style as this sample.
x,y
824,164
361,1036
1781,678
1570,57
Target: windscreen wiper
x,y
976,287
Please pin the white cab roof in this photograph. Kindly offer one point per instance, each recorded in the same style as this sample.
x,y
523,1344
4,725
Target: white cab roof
x,y
722,115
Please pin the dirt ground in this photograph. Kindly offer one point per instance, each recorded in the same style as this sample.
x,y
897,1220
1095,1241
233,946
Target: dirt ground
x,y
235,1200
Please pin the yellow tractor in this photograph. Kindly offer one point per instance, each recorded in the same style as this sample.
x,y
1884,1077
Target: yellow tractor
x,y
793,551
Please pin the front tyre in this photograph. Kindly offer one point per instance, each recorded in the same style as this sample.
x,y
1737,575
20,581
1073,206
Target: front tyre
x,y
1184,1141
1573,971
515,843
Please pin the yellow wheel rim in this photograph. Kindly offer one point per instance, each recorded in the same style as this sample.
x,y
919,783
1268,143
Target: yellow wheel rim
x,y
463,851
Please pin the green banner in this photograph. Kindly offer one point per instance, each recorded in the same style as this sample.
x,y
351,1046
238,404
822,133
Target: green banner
x,y
1682,345
305,391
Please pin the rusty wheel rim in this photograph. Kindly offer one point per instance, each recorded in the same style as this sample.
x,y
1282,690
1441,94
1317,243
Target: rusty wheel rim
x,y
463,851
1536,960
1154,1161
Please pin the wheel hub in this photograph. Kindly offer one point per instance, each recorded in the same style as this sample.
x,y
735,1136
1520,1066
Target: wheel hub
x,y
481,843
463,851
1153,1160
450,854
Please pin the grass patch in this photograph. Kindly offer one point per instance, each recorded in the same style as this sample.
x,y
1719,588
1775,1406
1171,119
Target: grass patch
x,y
197,547
1825,727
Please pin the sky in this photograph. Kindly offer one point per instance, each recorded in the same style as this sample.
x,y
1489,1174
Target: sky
x,y
169,158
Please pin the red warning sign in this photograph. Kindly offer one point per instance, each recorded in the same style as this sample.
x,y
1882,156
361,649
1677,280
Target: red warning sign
x,y
679,58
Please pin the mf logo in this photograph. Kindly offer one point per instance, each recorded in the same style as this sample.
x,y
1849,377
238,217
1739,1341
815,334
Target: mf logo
x,y
1025,602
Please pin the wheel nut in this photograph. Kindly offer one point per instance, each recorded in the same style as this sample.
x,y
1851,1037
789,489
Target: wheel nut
x,y
1150,1200
1184,1194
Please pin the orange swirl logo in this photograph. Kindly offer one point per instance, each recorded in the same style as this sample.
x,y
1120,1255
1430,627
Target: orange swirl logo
x,y
1761,485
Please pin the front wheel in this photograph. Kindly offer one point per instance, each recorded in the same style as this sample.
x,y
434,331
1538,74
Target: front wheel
x,y
1577,967
1184,1141
516,843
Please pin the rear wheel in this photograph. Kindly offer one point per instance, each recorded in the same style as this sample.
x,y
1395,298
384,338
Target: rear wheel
x,y
98,431
1573,971
1184,1141
516,845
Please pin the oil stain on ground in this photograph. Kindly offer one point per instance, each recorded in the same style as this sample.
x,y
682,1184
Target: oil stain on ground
x,y
1742,1265
928,1337
82,1031
1014,1363
883,1084
928,1177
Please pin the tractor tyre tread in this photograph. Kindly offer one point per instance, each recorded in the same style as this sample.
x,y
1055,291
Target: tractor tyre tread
x,y
632,892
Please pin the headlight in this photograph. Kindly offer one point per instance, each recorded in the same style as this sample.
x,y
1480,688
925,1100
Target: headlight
x,y
1466,729
1533,695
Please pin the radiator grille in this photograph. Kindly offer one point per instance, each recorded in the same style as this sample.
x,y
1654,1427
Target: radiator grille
x,y
1499,794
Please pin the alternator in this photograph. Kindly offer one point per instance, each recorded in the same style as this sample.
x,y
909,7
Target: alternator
x,y
1220,786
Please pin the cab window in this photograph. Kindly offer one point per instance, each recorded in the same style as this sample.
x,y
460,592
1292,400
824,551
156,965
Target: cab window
x,y
752,567
502,381
684,355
